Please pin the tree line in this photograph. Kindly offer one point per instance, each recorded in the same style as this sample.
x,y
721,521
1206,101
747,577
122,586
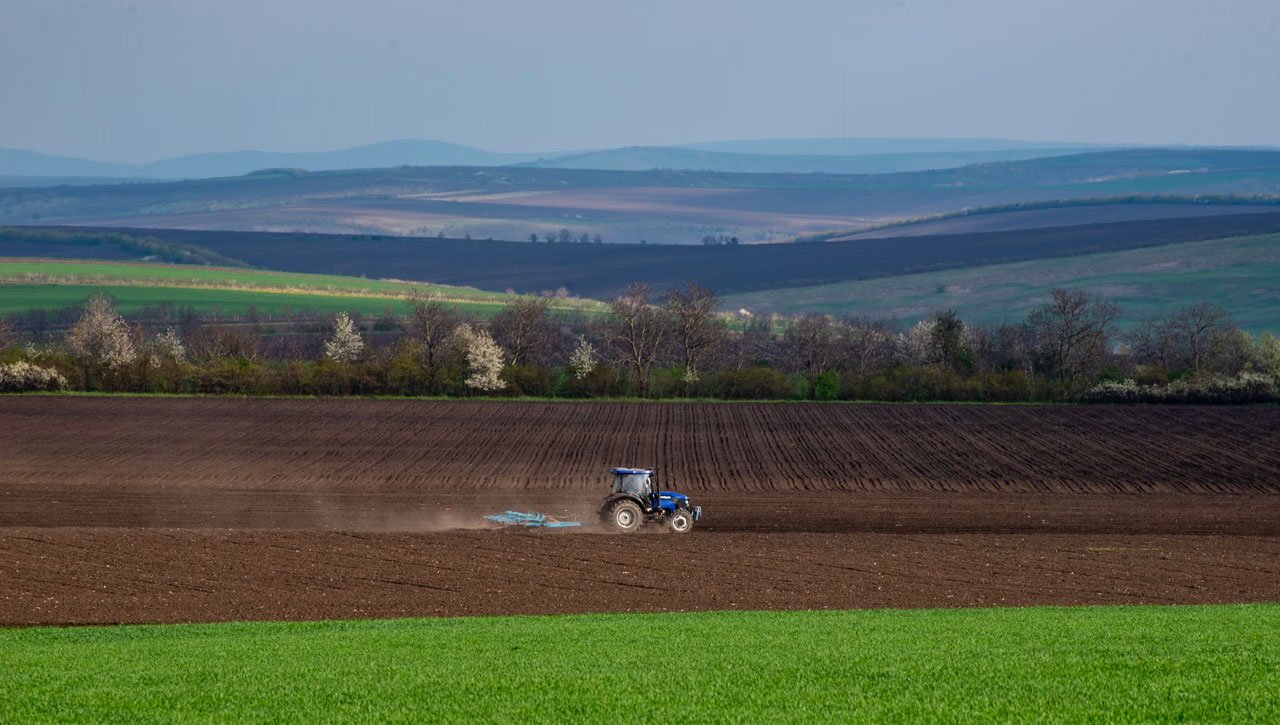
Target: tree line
x,y
564,236
679,344
167,251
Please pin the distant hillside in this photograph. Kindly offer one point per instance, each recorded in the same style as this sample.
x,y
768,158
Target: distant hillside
x,y
29,182
873,146
640,158
17,162
388,153
602,270
234,163
827,156
1240,273
1108,168
1069,212
662,206
805,156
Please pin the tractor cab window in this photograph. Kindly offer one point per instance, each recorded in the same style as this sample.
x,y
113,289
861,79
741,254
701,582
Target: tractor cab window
x,y
636,484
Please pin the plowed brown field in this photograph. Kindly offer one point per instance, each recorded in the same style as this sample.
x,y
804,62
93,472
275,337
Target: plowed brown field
x,y
152,509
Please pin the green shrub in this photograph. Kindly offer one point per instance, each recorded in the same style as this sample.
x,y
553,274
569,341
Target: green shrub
x,y
534,380
759,383
604,381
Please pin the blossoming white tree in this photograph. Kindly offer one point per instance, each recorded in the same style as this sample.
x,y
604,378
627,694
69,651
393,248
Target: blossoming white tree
x,y
1265,355
915,343
101,336
168,345
483,358
583,359
22,376
346,345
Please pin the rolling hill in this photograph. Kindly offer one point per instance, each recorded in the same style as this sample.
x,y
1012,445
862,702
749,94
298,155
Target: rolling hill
x,y
1240,273
602,270
863,146
1054,214
641,158
809,155
15,162
667,206
27,284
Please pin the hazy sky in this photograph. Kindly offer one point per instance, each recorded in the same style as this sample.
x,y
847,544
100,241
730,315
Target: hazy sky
x,y
143,79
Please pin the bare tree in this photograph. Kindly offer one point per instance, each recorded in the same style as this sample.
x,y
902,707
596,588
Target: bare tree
x,y
866,344
811,341
1018,347
524,328
431,322
635,331
757,336
1151,342
565,236
533,237
8,336
1204,332
1074,330
699,329
214,343
947,342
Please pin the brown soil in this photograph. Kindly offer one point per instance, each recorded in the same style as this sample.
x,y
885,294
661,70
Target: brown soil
x,y
406,445
83,576
142,510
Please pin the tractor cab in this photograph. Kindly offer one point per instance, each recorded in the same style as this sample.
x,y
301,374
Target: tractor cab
x,y
635,501
635,481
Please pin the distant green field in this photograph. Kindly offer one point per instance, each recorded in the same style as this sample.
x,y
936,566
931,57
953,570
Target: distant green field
x,y
1242,274
1251,181
95,271
1103,664
130,300
27,284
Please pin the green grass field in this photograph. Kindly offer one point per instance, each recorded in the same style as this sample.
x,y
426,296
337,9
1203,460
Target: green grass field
x,y
1104,664
27,284
130,300
1242,274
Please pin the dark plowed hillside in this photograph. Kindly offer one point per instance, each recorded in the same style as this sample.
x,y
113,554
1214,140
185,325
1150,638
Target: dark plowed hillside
x,y
989,221
592,270
362,445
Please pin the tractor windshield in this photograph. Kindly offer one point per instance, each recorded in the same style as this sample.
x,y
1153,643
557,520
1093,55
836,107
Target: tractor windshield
x,y
633,483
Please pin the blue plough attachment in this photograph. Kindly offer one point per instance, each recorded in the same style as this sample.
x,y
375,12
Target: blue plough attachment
x,y
531,519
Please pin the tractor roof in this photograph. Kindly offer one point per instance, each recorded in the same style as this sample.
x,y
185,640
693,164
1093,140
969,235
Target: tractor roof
x,y
631,470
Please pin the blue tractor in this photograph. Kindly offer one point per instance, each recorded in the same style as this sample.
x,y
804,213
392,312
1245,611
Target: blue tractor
x,y
636,501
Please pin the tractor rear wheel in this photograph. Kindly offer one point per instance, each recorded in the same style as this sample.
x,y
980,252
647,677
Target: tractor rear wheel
x,y
625,516
680,522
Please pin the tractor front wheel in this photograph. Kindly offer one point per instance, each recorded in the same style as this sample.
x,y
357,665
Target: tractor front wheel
x,y
680,522
625,516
